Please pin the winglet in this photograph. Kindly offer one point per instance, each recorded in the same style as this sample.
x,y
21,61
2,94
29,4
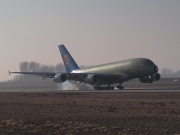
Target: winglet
x,y
9,72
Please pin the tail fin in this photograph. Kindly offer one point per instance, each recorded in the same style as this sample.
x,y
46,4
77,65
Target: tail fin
x,y
68,60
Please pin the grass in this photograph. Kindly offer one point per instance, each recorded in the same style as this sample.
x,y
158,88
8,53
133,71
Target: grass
x,y
89,113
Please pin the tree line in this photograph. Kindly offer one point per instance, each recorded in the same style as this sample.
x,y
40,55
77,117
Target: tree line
x,y
36,67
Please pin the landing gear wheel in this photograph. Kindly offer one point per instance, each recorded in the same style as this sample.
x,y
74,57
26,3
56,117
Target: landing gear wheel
x,y
103,88
120,87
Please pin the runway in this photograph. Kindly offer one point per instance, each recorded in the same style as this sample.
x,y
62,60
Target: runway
x,y
124,91
88,91
130,87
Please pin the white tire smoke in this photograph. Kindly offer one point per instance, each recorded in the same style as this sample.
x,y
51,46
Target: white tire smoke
x,y
69,85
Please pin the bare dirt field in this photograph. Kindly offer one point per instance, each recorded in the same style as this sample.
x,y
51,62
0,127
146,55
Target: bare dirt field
x,y
87,113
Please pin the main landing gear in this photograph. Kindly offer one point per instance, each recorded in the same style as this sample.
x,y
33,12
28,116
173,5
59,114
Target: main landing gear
x,y
103,88
96,87
120,87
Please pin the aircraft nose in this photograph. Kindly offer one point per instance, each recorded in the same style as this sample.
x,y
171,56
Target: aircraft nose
x,y
156,69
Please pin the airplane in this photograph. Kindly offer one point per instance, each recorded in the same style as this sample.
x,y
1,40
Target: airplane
x,y
102,76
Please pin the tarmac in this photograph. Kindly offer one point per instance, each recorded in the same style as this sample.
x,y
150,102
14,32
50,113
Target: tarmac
x,y
164,85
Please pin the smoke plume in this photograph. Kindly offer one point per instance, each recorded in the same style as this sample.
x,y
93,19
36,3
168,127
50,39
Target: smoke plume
x,y
69,85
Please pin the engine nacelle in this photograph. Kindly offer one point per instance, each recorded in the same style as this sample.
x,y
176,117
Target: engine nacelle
x,y
156,77
145,79
148,79
60,78
91,79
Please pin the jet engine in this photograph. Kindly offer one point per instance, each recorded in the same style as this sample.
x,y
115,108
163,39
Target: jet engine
x,y
150,79
156,77
91,79
60,78
145,79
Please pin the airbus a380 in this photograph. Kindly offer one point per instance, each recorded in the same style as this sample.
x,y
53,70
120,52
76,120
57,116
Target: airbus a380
x,y
102,76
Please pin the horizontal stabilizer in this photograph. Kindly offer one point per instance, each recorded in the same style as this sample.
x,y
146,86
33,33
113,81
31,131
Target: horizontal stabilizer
x,y
9,72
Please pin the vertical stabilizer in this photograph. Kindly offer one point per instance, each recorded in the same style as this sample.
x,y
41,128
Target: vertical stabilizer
x,y
68,60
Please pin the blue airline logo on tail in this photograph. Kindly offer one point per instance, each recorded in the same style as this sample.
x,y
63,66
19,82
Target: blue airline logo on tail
x,y
66,60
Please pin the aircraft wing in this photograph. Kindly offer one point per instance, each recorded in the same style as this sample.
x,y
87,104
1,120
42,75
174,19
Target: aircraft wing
x,y
69,76
43,74
90,78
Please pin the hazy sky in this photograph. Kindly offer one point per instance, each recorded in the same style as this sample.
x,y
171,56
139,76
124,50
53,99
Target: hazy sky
x,y
94,31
